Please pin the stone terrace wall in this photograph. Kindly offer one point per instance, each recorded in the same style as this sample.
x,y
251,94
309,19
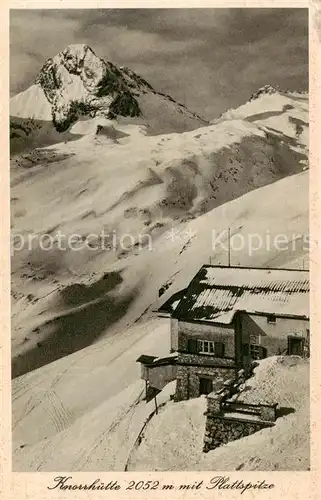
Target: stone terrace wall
x,y
221,427
188,377
222,430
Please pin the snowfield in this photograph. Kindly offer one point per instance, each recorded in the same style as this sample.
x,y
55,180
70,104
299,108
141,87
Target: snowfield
x,y
85,413
174,438
23,105
170,194
130,206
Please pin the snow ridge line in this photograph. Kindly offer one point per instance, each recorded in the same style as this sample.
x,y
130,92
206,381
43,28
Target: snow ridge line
x,y
140,436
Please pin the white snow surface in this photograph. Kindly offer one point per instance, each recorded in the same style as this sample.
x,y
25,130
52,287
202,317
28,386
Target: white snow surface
x,y
31,103
178,191
173,194
173,439
85,411
279,112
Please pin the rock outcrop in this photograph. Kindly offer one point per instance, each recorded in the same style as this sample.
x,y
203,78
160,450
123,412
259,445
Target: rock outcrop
x,y
76,82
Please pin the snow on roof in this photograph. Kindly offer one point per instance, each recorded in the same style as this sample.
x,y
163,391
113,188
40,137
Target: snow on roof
x,y
164,361
171,304
217,292
153,361
145,359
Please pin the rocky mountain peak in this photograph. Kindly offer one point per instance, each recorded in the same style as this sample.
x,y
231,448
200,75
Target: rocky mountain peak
x,y
265,90
77,60
77,82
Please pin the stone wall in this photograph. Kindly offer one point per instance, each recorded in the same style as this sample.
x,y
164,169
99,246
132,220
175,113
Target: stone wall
x,y
188,377
221,427
182,383
222,430
204,360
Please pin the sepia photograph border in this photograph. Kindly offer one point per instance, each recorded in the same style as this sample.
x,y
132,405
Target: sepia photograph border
x,y
294,485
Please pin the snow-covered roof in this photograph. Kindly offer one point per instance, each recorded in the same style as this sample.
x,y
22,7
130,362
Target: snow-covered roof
x,y
145,359
152,361
216,293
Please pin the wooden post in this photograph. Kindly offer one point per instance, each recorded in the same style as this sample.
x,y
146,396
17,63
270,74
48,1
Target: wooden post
x,y
156,405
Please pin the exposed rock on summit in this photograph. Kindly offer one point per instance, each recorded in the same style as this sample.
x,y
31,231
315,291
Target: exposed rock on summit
x,y
76,82
265,90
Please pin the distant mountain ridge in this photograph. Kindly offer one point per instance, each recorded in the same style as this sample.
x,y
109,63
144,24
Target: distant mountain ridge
x,y
269,90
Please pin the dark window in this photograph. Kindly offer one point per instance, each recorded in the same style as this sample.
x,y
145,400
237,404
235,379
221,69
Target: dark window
x,y
255,351
271,318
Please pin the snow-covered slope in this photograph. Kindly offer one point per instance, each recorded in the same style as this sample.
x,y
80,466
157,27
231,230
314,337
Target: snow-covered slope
x,y
120,191
282,113
174,438
109,208
63,300
70,398
177,189
31,103
64,406
77,83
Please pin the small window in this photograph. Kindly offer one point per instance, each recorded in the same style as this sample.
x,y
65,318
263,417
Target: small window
x,y
255,351
205,346
271,318
253,339
210,347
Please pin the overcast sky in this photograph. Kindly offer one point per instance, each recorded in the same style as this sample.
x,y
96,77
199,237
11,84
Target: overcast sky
x,y
208,59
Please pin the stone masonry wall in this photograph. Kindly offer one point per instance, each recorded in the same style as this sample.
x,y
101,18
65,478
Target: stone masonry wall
x,y
188,379
204,360
222,427
222,430
182,381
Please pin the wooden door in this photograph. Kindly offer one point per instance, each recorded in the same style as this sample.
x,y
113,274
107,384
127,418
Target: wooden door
x,y
206,385
296,346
